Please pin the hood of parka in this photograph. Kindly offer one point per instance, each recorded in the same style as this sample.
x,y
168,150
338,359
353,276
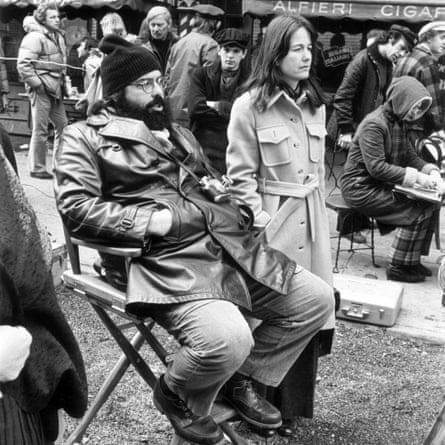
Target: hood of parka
x,y
403,93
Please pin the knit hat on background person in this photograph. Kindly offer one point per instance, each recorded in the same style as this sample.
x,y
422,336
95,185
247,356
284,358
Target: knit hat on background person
x,y
232,37
123,63
29,23
438,25
409,35
206,11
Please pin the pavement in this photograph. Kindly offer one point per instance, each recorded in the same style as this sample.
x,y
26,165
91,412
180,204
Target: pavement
x,y
422,315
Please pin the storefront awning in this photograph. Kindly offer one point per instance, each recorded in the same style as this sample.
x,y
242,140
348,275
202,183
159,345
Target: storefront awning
x,y
139,5
364,10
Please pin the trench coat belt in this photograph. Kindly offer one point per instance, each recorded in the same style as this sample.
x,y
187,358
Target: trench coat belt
x,y
301,191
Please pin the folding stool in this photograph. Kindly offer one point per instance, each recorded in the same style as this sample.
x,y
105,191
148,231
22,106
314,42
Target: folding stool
x,y
107,300
337,203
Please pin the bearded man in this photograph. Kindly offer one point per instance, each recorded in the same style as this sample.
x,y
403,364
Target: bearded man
x,y
129,176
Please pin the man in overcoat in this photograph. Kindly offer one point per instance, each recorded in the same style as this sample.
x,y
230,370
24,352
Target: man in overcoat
x,y
128,176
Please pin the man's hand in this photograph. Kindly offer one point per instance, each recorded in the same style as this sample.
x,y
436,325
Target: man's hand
x,y
15,344
160,223
344,141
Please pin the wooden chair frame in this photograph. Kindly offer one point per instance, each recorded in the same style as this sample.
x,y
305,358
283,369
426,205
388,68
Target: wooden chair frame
x,y
107,300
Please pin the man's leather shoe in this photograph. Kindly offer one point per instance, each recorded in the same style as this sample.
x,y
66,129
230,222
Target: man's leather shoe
x,y
420,268
197,429
406,274
240,394
41,175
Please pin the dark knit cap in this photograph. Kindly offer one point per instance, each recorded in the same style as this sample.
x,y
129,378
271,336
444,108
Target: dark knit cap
x,y
123,63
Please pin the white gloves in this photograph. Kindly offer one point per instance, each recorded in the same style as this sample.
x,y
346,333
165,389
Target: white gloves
x,y
426,181
15,342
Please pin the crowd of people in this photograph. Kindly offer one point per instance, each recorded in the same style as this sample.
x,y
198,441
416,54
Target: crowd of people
x,y
212,159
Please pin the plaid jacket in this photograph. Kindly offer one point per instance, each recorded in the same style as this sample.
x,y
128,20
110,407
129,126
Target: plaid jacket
x,y
422,65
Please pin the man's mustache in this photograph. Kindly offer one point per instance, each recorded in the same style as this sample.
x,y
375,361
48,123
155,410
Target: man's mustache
x,y
157,100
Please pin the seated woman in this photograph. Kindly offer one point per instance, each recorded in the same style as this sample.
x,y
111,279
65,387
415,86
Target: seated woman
x,y
380,157
41,368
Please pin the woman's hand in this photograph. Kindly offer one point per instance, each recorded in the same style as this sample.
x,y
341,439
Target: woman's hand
x,y
15,343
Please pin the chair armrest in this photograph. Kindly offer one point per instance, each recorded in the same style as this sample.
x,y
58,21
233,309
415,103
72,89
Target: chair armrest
x,y
130,252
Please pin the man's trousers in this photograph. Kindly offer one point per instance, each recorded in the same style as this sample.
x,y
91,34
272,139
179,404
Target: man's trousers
x,y
44,109
216,341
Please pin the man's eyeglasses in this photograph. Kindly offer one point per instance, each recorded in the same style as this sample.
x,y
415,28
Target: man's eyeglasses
x,y
147,85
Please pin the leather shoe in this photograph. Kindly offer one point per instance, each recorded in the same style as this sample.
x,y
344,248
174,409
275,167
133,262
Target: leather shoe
x,y
197,429
41,175
420,268
254,409
287,429
406,274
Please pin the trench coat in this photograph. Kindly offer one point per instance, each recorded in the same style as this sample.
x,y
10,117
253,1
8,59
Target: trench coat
x,y
112,175
192,51
41,60
279,154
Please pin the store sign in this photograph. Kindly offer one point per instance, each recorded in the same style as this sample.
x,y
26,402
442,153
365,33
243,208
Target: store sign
x,y
361,10
337,56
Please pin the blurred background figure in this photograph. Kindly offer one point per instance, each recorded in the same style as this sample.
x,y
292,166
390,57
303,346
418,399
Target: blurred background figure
x,y
196,49
212,91
41,64
156,33
112,23
4,84
373,35
91,56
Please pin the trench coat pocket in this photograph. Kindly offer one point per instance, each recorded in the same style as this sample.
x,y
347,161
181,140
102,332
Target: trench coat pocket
x,y
274,145
317,133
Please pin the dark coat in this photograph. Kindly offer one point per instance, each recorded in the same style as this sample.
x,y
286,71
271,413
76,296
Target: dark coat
x,y
162,57
112,175
381,156
358,93
54,375
209,125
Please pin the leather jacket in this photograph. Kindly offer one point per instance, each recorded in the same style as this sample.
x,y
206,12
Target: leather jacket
x,y
112,174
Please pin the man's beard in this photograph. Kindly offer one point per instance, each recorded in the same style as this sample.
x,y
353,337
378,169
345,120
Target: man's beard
x,y
153,119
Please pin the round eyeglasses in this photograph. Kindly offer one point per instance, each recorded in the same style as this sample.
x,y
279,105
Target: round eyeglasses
x,y
147,85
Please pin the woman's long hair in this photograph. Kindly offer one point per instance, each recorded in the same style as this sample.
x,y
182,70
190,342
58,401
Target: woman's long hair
x,y
267,76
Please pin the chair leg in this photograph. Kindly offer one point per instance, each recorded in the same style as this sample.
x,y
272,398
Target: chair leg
x,y
337,254
103,394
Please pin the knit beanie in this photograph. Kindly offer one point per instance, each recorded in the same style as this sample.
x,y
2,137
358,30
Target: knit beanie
x,y
123,63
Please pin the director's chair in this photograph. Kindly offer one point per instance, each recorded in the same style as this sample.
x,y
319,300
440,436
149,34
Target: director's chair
x,y
107,300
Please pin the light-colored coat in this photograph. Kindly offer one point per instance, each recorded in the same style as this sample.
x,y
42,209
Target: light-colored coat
x,y
192,51
277,154
42,60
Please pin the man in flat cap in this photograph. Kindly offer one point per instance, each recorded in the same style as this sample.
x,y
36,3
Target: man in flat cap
x,y
196,49
212,91
423,65
128,175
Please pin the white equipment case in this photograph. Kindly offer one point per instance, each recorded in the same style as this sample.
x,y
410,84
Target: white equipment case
x,y
368,301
